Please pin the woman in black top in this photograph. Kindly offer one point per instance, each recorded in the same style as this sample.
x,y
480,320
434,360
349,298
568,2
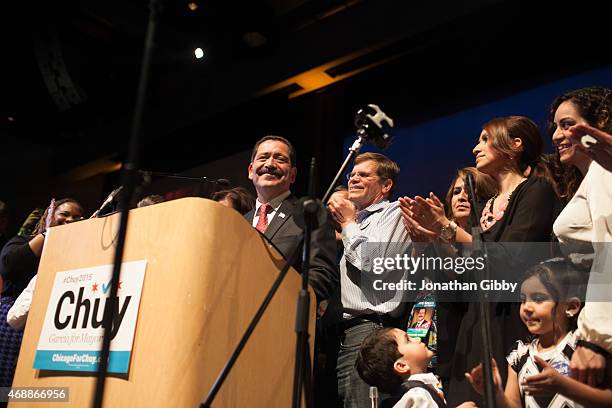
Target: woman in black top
x,y
18,264
523,211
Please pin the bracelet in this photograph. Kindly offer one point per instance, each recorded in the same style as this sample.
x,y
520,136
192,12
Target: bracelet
x,y
448,232
594,347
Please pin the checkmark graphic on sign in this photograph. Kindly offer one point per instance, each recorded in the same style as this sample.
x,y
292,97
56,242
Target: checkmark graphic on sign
x,y
106,286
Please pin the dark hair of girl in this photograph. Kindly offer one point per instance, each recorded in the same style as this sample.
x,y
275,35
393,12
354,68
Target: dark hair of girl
x,y
563,280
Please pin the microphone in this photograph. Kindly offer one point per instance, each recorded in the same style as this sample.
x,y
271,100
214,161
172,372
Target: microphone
x,y
372,124
108,200
470,186
221,182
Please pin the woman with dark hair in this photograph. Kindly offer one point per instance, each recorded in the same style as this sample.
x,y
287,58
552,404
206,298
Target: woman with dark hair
x,y
523,210
450,310
585,224
458,207
19,261
586,218
237,198
586,106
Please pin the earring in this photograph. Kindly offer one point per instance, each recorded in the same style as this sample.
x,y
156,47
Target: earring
x,y
569,314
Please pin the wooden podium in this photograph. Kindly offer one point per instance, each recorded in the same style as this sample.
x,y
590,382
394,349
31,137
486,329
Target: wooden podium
x,y
207,272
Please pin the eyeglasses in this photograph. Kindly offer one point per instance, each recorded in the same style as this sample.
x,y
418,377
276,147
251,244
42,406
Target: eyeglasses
x,y
360,174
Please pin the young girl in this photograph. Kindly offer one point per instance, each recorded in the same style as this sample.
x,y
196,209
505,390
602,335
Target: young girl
x,y
538,371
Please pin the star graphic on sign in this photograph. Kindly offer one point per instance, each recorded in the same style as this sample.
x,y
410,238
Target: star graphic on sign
x,y
119,285
94,287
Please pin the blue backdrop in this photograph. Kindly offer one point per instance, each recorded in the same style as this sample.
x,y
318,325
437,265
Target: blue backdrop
x,y
429,152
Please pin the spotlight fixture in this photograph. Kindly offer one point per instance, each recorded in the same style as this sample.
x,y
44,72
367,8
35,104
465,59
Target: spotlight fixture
x,y
199,53
192,5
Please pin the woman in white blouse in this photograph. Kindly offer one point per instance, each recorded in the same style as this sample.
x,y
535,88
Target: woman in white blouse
x,y
586,222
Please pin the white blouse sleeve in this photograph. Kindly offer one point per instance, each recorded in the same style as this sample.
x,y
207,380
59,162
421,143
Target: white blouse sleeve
x,y
595,324
18,313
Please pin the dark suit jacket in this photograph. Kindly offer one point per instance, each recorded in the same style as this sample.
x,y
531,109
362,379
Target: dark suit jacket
x,y
285,235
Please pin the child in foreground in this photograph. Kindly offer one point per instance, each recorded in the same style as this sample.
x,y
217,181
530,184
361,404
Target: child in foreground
x,y
538,371
397,365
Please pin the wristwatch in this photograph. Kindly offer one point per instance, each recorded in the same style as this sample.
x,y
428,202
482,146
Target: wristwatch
x,y
449,231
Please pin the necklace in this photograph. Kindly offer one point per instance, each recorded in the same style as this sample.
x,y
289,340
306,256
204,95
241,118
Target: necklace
x,y
489,217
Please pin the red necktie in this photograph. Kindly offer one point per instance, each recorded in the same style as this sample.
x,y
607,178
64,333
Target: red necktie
x,y
262,222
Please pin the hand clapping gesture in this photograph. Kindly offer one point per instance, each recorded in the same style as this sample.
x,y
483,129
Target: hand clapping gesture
x,y
423,217
342,210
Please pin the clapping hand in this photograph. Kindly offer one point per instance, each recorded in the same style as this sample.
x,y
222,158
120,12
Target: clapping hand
x,y
423,217
342,210
417,232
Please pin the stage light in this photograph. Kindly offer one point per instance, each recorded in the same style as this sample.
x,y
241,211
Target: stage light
x,y
193,6
199,53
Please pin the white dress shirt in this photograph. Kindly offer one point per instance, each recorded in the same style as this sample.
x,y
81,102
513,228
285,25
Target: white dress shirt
x,y
418,397
275,204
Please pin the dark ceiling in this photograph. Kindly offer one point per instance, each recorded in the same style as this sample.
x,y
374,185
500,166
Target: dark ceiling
x,y
69,95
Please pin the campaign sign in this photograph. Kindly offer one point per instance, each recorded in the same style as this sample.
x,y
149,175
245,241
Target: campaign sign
x,y
71,336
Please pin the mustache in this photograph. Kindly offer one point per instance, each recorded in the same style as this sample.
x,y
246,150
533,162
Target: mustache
x,y
269,170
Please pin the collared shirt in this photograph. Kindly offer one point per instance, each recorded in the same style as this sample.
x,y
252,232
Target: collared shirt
x,y
275,204
379,232
418,397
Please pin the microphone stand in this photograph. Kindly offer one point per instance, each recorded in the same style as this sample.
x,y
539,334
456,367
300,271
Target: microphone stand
x,y
353,151
370,123
128,182
109,200
302,372
478,247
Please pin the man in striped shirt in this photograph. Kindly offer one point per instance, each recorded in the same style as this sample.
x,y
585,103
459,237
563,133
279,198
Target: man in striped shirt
x,y
371,228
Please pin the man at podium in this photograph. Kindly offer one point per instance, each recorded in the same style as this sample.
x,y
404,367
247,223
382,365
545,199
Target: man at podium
x,y
272,170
